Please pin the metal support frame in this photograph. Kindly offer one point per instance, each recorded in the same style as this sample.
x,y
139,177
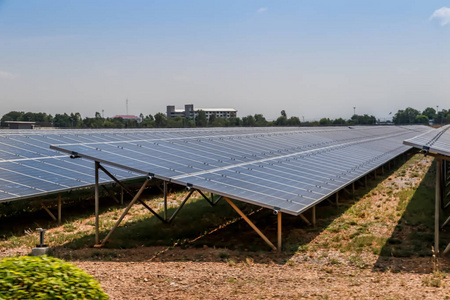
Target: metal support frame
x,y
250,223
305,219
165,200
111,194
337,198
97,238
279,215
437,205
181,205
314,215
48,211
127,190
135,198
59,208
211,199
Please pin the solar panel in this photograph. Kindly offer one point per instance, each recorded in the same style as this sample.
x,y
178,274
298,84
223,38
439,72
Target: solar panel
x,y
29,168
434,141
287,168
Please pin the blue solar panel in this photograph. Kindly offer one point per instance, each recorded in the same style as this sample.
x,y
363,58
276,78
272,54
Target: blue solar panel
x,y
290,168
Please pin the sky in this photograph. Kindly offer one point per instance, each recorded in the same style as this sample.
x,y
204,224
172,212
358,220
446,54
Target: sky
x,y
312,59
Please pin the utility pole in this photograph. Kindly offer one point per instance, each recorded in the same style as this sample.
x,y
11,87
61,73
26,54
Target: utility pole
x,y
127,106
354,110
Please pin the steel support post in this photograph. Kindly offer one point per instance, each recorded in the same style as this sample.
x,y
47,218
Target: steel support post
x,y
279,231
365,181
165,200
59,208
97,238
314,215
135,198
437,205
251,224
353,190
337,198
121,195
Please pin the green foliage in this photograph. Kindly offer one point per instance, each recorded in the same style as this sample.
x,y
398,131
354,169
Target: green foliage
x,y
200,119
43,277
407,116
248,121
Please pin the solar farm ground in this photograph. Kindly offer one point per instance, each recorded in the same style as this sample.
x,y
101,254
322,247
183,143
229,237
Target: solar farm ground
x,y
376,244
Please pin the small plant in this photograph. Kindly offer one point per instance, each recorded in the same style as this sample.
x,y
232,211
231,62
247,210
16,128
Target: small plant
x,y
43,277
69,227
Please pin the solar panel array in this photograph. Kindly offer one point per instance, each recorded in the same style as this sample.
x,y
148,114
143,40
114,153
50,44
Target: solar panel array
x,y
434,141
288,169
29,168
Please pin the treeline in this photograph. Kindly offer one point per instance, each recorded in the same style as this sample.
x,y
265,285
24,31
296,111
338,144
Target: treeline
x,y
160,120
413,116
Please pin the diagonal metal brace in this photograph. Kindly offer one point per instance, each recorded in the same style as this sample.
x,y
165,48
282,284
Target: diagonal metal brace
x,y
251,224
135,198
210,201
130,192
181,205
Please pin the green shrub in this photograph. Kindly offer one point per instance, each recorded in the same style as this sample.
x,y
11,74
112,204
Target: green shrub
x,y
43,277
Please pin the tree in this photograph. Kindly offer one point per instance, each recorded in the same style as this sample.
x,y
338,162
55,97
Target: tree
x,y
160,120
429,112
211,120
324,121
260,120
283,113
339,121
407,116
294,121
248,121
200,119
422,119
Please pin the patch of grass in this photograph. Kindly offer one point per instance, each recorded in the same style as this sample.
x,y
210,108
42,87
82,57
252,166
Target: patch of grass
x,y
69,227
434,280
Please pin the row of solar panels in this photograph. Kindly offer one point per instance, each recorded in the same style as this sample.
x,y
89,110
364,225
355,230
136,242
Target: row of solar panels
x,y
288,169
29,168
435,141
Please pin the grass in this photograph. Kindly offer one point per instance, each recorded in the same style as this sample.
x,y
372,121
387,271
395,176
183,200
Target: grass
x,y
390,218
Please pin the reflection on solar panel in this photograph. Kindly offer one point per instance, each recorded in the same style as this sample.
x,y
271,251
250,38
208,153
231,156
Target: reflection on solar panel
x,y
434,141
288,169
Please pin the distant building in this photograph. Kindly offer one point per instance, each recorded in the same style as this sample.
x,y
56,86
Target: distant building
x,y
191,113
20,124
127,117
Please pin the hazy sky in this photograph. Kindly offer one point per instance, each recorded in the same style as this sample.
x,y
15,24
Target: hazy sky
x,y
311,58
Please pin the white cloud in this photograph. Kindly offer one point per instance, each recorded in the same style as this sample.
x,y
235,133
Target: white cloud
x,y
261,10
442,14
7,75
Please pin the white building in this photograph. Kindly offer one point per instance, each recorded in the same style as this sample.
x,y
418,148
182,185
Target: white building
x,y
191,113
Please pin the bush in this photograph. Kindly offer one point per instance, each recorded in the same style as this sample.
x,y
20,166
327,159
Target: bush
x,y
43,277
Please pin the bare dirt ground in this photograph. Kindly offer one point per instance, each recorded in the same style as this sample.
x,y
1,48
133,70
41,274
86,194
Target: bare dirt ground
x,y
303,276
326,264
